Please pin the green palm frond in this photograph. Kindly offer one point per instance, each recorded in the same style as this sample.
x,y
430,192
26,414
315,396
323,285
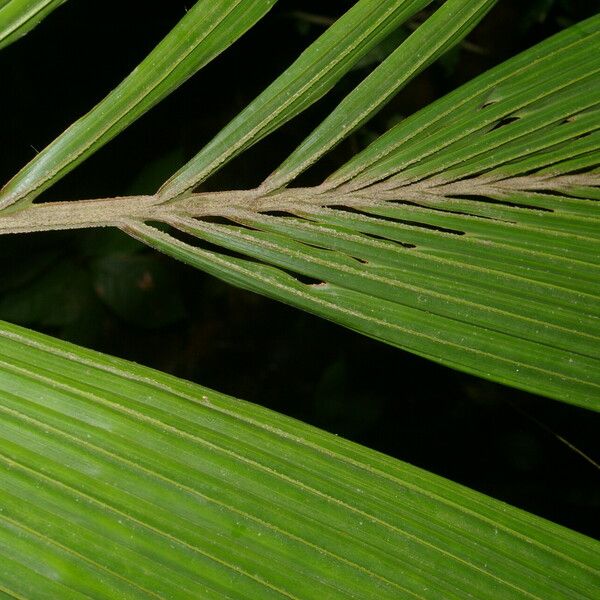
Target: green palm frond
x,y
119,481
207,29
468,234
18,17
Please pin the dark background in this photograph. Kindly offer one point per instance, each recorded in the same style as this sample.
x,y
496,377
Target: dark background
x,y
100,289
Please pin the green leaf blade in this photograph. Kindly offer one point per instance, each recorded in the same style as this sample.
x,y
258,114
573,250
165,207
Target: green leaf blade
x,y
468,233
547,353
205,31
515,88
18,17
171,487
447,26
309,78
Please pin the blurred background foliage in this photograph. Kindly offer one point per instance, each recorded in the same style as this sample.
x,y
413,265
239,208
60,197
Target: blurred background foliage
x,y
103,290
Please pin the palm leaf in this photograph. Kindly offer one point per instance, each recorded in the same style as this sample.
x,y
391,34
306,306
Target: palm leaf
x,y
447,26
207,29
213,26
122,481
466,234
300,85
18,17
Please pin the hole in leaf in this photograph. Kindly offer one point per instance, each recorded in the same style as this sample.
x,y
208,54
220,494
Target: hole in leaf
x,y
399,221
278,213
503,122
582,171
196,242
571,194
584,135
305,279
445,211
362,261
490,100
159,225
220,220
386,239
487,200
